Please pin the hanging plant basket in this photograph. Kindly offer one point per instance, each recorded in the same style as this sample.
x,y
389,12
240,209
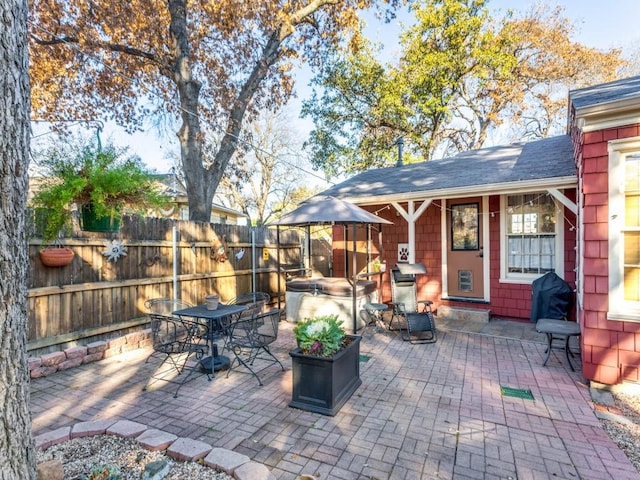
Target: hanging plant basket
x,y
56,256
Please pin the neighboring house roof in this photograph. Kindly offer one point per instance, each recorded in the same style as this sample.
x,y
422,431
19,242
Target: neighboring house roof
x,y
548,162
173,187
608,105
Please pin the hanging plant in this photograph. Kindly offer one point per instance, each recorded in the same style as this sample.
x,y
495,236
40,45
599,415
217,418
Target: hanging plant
x,y
105,178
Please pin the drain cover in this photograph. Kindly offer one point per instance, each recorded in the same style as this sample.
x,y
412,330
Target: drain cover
x,y
516,392
364,358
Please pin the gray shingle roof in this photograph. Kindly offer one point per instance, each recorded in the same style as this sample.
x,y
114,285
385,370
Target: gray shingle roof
x,y
624,89
542,159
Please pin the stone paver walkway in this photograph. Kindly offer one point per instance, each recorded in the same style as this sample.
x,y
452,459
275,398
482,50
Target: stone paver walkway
x,y
422,411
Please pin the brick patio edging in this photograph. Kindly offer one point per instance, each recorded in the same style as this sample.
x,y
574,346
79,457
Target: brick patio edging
x,y
237,465
51,363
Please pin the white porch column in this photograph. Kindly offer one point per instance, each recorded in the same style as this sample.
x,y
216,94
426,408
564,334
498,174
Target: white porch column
x,y
411,215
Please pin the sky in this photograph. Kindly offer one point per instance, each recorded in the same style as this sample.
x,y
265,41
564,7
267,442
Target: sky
x,y
599,24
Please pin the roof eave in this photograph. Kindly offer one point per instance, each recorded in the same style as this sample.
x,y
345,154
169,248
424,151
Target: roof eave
x,y
570,181
608,114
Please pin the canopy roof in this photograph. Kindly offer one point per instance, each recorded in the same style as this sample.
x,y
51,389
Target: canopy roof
x,y
319,210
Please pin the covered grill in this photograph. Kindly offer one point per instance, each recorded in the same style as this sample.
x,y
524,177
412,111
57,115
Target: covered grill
x,y
403,284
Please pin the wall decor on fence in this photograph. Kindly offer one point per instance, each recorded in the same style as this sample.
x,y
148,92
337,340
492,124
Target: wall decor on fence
x,y
219,250
115,250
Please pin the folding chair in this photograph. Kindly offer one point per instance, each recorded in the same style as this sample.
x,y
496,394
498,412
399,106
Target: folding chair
x,y
420,327
176,340
413,317
249,339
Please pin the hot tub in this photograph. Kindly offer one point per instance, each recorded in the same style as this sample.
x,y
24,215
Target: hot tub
x,y
310,297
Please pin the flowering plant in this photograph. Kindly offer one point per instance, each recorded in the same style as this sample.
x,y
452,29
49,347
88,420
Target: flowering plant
x,y
322,335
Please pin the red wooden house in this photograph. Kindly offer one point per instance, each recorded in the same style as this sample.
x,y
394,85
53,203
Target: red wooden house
x,y
486,223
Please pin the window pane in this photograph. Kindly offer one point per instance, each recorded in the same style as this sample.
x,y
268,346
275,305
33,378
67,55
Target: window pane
x,y
632,249
531,227
632,210
632,284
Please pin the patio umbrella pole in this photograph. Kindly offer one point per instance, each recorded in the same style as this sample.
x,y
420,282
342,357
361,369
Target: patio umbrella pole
x,y
355,278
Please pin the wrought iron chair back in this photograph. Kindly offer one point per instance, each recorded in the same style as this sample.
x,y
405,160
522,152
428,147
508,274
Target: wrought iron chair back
x,y
165,306
176,340
249,339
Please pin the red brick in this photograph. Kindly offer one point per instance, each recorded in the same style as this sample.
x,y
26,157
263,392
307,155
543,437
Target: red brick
x,y
602,213
116,342
72,362
75,352
626,341
630,373
96,347
592,249
34,362
54,358
92,357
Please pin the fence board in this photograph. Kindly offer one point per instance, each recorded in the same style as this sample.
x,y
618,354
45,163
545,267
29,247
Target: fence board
x,y
93,297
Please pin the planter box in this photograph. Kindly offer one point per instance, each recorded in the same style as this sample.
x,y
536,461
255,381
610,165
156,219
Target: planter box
x,y
323,385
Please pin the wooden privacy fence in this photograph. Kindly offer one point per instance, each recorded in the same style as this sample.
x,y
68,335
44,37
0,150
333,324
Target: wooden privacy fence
x,y
95,297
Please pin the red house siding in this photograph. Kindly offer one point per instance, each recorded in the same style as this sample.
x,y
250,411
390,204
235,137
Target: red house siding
x,y
610,349
510,300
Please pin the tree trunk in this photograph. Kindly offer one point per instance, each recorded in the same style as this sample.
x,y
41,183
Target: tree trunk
x,y
17,453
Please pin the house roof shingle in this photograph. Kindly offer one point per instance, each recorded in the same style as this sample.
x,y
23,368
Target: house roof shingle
x,y
548,158
616,91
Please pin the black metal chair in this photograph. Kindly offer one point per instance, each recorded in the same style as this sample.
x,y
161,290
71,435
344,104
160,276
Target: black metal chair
x,y
176,340
251,297
249,339
413,318
165,306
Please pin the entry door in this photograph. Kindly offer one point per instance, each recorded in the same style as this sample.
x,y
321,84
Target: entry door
x,y
465,274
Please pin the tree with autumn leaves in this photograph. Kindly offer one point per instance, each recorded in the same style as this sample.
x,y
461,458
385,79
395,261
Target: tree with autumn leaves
x,y
460,76
210,65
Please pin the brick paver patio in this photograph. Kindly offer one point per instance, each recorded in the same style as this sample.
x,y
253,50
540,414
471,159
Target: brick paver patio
x,y
423,411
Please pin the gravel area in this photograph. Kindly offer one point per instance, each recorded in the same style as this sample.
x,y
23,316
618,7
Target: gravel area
x,y
80,455
626,434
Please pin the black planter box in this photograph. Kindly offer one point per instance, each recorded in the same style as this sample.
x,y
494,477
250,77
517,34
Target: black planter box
x,y
323,385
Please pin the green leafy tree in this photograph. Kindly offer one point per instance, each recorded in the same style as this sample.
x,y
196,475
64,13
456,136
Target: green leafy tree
x,y
461,74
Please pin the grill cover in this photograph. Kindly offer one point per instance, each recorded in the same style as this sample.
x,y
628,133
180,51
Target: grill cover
x,y
552,298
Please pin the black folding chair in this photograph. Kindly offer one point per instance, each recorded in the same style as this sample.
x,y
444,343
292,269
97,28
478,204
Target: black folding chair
x,y
415,327
249,339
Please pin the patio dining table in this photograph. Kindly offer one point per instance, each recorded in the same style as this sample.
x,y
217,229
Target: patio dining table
x,y
215,322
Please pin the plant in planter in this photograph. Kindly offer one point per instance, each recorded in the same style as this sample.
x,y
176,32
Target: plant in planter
x,y
326,365
101,181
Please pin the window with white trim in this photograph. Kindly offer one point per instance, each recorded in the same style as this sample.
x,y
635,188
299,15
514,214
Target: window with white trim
x,y
624,229
531,242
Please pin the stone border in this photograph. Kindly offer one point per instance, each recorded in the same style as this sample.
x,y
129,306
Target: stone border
x,y
237,465
51,363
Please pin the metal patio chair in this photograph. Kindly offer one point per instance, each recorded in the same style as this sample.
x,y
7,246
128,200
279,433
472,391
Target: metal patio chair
x,y
176,339
249,339
413,318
